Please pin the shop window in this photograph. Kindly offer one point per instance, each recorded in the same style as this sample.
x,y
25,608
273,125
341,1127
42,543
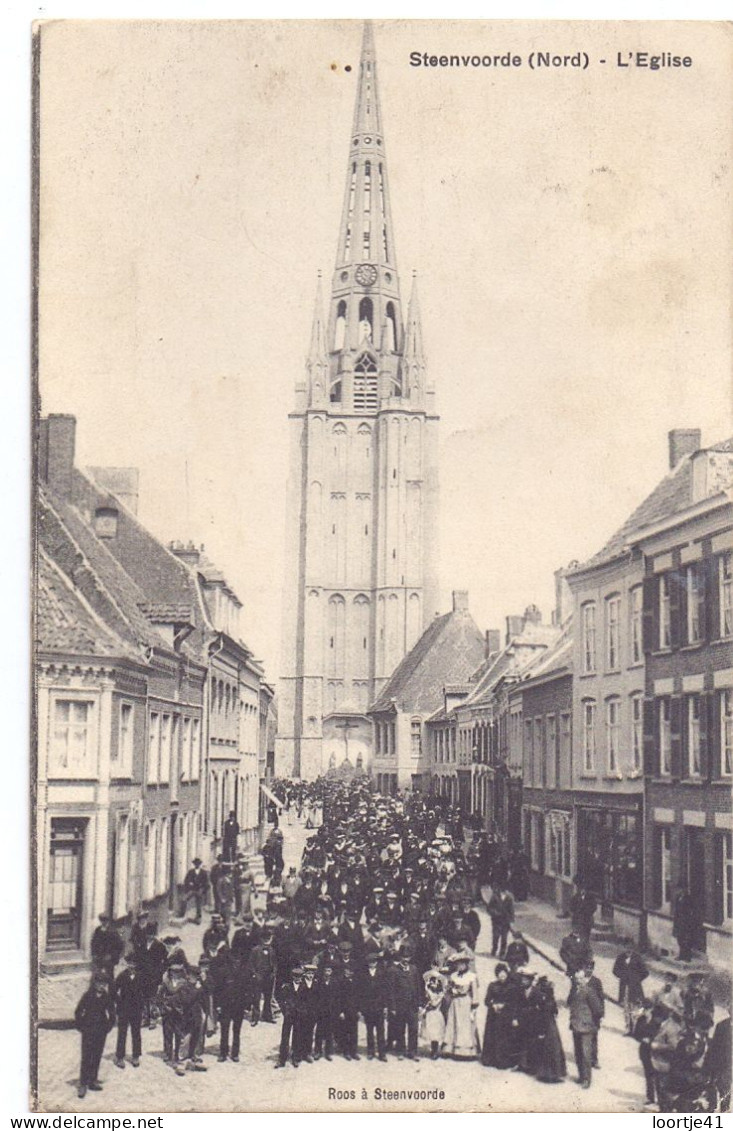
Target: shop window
x,y
609,855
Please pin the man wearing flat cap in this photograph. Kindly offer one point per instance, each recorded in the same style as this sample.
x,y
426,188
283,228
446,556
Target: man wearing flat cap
x,y
106,950
195,886
129,1000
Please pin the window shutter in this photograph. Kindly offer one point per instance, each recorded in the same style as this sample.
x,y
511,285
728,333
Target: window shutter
x,y
677,606
713,753
678,747
715,735
702,606
657,868
650,614
705,752
718,894
712,597
651,737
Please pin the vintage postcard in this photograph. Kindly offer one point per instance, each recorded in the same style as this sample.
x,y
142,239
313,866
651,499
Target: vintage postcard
x,y
383,594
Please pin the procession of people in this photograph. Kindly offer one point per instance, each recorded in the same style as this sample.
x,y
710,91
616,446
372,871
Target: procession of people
x,y
369,949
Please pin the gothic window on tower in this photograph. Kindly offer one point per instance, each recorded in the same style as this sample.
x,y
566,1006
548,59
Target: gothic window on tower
x,y
340,441
391,343
336,635
367,240
365,383
366,318
347,245
335,391
340,336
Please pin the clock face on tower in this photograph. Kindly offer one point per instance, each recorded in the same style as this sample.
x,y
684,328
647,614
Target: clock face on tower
x,y
366,274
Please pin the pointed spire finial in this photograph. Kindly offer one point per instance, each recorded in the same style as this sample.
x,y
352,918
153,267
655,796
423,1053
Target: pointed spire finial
x,y
413,333
367,112
317,351
367,39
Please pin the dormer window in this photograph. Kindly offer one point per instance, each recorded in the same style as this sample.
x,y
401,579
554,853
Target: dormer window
x,y
105,522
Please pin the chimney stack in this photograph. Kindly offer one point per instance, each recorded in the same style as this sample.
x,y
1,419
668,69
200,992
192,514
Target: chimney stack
x,y
189,554
514,627
56,441
683,442
493,642
460,600
532,615
563,596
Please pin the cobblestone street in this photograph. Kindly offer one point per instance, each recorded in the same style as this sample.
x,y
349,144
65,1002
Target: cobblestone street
x,y
253,1085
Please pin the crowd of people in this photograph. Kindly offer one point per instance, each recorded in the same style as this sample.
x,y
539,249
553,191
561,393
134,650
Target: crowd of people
x,y
379,926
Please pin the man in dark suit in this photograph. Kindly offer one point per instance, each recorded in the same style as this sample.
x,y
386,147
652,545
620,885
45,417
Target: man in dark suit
x,y
106,950
245,939
152,966
575,952
583,906
403,988
218,978
351,930
262,971
287,996
233,998
596,985
631,972
348,1010
373,998
138,934
586,1011
306,1010
501,910
230,837
94,1017
195,886
685,923
327,1008
425,944
129,1001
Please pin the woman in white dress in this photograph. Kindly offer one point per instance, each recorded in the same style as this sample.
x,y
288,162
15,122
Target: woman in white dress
x,y
461,1036
432,1024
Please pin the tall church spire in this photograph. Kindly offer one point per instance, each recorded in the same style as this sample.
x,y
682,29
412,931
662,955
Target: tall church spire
x,y
362,489
365,300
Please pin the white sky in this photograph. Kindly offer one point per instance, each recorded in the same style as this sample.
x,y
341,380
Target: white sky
x,y
571,232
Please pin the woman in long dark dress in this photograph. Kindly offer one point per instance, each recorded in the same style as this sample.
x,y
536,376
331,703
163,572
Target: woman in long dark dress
x,y
504,1005
545,1058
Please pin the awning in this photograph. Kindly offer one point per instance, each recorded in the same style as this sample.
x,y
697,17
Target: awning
x,y
270,795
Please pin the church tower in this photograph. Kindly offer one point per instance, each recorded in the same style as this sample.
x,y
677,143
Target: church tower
x,y
361,545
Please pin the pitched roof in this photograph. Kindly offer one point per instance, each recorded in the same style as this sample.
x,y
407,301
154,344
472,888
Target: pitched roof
x,y
521,651
92,571
164,579
557,658
65,623
447,652
671,495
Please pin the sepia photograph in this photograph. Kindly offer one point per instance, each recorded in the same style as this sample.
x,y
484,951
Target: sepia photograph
x,y
382,603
